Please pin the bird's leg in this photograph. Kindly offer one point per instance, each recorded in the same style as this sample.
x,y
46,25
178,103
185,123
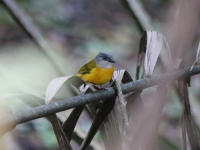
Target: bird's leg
x,y
102,88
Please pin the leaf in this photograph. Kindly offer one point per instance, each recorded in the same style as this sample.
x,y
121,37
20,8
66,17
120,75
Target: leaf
x,y
83,88
154,45
62,136
101,114
70,123
144,121
197,57
56,83
53,87
141,54
188,123
155,42
118,75
198,54
176,63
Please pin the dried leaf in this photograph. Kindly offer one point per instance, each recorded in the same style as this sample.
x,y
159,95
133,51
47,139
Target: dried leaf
x,y
83,88
101,114
155,42
142,51
53,87
110,132
197,57
198,54
70,123
154,45
176,63
189,124
144,122
56,83
61,137
118,75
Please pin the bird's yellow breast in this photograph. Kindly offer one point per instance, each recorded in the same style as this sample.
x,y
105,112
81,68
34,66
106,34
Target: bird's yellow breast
x,y
98,75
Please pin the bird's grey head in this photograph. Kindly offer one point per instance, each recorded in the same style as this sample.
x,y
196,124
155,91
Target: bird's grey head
x,y
104,59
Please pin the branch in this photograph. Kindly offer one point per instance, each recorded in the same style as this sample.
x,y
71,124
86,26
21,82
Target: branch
x,y
76,101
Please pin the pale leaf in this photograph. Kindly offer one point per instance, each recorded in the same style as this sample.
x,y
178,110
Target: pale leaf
x,y
53,87
197,56
83,88
118,75
154,44
176,63
177,60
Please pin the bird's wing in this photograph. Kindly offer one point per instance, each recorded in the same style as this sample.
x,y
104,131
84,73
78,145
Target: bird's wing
x,y
86,69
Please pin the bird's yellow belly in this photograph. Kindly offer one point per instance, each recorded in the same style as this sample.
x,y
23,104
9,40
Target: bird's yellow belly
x,y
98,75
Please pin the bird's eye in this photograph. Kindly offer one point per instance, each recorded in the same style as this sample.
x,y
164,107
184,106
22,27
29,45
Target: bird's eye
x,y
104,58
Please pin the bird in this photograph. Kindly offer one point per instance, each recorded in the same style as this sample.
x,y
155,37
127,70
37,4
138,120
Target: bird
x,y
99,70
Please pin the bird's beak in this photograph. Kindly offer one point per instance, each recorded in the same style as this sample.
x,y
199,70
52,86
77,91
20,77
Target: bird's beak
x,y
112,60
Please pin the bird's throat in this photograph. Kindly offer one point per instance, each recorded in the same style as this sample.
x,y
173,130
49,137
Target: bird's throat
x,y
105,64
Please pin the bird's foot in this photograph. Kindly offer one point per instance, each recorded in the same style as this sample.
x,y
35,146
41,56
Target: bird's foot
x,y
105,89
102,88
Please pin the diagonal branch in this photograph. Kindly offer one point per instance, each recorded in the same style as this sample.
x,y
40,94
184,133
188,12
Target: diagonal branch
x,y
76,101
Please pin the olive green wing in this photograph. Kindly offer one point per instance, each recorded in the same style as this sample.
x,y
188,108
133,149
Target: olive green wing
x,y
86,69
